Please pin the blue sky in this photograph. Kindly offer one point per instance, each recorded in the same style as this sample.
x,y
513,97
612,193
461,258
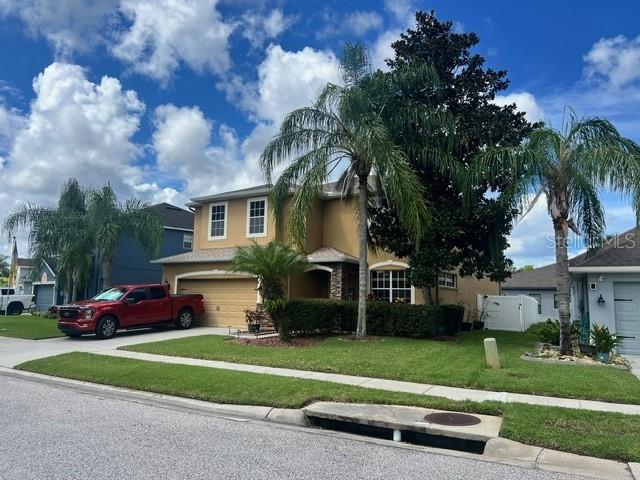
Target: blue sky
x,y
169,99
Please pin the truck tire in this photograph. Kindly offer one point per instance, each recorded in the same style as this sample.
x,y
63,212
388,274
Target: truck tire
x,y
185,319
15,308
107,327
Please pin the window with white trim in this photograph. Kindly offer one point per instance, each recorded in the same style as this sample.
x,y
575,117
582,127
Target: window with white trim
x,y
218,220
256,217
448,280
391,285
187,241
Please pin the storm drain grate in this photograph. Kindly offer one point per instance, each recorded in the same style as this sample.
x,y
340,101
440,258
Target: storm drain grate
x,y
408,436
452,419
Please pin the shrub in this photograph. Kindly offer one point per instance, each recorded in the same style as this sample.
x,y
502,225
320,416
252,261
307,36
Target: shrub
x,y
603,339
385,319
547,332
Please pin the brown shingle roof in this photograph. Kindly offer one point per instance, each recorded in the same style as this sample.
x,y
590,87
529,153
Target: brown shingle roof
x,y
543,278
622,250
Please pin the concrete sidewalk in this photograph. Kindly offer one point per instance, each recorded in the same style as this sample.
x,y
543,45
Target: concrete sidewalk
x,y
451,393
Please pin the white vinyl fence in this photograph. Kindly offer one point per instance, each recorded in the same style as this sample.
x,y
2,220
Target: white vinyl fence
x,y
508,312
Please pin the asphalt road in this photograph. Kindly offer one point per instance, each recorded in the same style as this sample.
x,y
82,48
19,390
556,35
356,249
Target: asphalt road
x,y
54,433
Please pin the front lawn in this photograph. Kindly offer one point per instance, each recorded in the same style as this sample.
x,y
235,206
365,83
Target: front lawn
x,y
28,326
606,435
459,363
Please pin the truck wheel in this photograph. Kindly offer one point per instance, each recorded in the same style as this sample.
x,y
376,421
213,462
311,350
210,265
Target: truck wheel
x,y
107,327
185,319
14,309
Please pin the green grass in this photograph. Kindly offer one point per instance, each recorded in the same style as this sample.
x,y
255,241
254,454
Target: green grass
x,y
459,364
28,326
605,435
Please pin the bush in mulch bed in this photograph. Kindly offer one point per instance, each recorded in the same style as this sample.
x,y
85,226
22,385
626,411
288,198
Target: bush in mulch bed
x,y
312,316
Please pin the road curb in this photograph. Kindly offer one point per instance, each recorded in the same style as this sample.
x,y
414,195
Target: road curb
x,y
499,450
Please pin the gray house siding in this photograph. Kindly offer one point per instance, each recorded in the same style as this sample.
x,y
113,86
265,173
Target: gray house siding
x,y
132,265
546,302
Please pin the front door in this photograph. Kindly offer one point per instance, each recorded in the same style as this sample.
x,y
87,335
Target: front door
x,y
627,308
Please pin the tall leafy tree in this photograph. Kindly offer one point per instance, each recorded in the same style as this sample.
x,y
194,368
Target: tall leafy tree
x,y
566,168
110,220
271,264
5,266
60,232
472,240
345,130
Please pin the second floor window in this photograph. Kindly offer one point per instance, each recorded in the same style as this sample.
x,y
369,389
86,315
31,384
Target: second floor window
x,y
256,222
187,241
218,220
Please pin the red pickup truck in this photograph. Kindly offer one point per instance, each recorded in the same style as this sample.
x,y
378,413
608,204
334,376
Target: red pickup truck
x,y
129,306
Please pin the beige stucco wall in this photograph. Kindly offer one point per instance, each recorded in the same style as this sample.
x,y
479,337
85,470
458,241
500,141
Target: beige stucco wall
x,y
236,226
332,224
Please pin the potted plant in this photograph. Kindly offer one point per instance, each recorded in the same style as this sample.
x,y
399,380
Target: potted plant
x,y
603,341
254,320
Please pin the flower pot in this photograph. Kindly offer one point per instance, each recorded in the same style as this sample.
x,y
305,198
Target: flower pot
x,y
603,357
478,325
254,327
466,326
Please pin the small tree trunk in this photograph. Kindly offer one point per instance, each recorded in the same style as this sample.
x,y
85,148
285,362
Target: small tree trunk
x,y
106,273
363,273
68,287
561,230
74,290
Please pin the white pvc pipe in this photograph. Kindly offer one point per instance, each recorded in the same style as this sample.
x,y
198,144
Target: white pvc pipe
x,y
397,436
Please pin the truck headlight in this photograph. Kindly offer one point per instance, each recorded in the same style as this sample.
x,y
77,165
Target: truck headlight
x,y
87,314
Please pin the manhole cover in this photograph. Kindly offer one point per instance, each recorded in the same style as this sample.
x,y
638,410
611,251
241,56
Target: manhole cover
x,y
452,419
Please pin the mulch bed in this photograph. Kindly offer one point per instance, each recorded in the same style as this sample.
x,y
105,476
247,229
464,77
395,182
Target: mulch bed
x,y
276,342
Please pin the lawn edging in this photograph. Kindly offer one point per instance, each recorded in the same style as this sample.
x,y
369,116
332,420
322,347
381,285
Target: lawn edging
x,y
598,434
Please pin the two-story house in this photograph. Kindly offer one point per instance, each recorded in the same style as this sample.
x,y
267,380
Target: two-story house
x,y
229,220
132,265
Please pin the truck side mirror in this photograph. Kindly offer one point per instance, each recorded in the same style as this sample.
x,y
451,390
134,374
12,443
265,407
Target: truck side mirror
x,y
130,300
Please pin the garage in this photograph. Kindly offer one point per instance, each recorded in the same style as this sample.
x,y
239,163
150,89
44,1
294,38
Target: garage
x,y
44,296
225,299
627,311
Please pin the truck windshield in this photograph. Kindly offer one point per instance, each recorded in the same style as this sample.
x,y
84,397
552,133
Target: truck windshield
x,y
111,294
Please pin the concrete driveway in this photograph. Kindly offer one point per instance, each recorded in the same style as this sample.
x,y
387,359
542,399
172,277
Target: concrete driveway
x,y
14,351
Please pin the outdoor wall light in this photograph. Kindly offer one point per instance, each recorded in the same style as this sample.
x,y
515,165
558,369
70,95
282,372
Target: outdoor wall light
x,y
601,301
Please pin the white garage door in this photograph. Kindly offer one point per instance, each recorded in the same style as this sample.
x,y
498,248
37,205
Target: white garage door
x,y
627,307
225,300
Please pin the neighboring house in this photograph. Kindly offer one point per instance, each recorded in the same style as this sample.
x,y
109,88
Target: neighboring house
x,y
605,289
132,265
20,278
45,286
228,220
540,284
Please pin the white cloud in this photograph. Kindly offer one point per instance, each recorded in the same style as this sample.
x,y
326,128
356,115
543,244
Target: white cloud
x,y
289,80
258,28
525,102
164,34
615,59
75,128
70,26
186,149
357,23
382,49
402,10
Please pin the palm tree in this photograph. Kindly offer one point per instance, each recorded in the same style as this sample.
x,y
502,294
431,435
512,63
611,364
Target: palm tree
x,y
271,263
60,232
110,220
566,167
347,128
